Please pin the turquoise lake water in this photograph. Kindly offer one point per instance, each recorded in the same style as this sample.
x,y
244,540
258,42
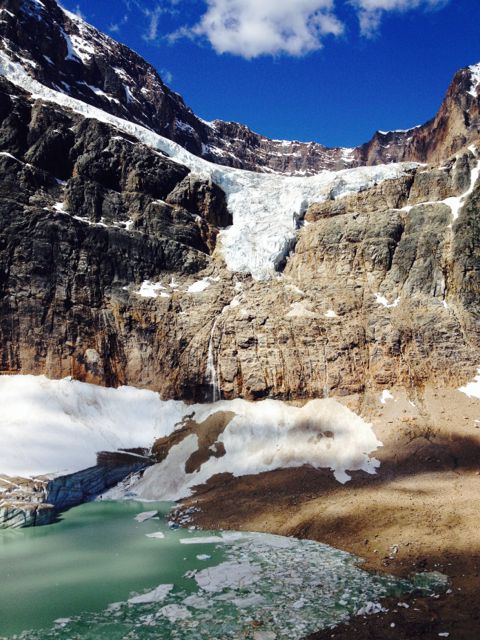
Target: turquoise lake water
x,y
100,574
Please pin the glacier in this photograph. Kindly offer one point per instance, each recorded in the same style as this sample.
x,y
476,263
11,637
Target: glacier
x,y
267,209
52,427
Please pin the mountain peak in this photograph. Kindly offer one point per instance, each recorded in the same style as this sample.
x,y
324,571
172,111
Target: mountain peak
x,y
63,52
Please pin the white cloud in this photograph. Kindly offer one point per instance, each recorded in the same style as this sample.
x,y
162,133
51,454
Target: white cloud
x,y
116,27
252,28
370,12
154,17
167,76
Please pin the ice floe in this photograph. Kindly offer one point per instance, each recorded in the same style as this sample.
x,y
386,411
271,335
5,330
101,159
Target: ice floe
x,y
146,515
156,595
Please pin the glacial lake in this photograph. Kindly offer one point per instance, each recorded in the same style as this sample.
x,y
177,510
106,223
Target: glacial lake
x,y
108,571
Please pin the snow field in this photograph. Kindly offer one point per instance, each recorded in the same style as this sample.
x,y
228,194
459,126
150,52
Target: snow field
x,y
58,426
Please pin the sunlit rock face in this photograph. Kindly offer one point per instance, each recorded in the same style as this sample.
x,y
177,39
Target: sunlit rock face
x,y
126,258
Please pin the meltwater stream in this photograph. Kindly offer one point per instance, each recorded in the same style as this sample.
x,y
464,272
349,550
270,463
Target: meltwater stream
x,y
107,572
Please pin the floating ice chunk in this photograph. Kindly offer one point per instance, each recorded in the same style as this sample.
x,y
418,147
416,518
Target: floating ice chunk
x,y
196,602
146,515
174,612
157,534
204,540
233,575
252,600
203,556
62,622
386,395
264,635
472,389
157,595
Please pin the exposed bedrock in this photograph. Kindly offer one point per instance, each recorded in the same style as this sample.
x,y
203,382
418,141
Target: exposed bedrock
x,y
110,272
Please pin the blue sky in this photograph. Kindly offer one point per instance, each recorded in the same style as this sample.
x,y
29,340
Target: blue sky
x,y
333,71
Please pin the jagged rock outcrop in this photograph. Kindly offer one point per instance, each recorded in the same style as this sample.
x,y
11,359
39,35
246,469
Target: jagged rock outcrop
x,y
61,51
456,125
83,211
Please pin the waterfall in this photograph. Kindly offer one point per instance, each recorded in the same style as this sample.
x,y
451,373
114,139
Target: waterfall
x,y
212,363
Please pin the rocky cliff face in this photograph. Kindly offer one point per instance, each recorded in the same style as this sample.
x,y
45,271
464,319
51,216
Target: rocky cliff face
x,y
110,273
456,124
64,53
111,269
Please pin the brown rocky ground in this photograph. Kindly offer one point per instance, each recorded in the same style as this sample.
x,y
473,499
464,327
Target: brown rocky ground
x,y
423,500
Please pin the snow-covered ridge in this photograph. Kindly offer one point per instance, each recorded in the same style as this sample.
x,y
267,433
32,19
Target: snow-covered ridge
x,y
58,426
386,133
266,208
475,76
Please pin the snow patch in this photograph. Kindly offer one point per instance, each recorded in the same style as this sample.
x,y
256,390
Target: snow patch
x,y
300,310
184,126
472,389
386,395
475,79
58,426
457,202
200,285
150,289
264,436
379,299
